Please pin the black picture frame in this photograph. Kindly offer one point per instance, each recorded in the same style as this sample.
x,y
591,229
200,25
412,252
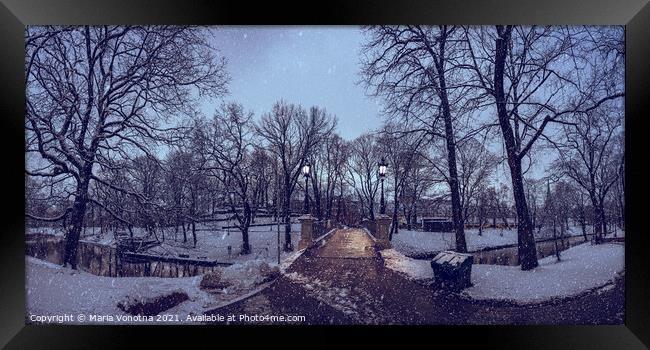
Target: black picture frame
x,y
15,14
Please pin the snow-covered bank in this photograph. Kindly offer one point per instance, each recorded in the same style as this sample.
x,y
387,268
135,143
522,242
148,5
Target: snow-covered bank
x,y
55,290
52,289
412,269
582,268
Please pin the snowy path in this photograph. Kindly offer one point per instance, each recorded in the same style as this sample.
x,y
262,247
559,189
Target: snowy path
x,y
344,281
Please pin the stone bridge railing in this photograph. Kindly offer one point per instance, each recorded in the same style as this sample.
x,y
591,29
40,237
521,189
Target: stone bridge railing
x,y
311,230
370,226
379,230
110,261
322,227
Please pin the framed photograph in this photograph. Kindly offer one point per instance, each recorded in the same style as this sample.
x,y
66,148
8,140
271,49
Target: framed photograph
x,y
429,165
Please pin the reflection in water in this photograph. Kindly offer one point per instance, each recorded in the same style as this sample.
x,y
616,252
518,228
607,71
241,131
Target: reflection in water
x,y
509,256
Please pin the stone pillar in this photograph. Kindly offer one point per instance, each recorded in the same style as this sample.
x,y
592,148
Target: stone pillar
x,y
306,231
383,226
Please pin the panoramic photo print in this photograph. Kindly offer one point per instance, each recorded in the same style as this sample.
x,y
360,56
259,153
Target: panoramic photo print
x,y
325,175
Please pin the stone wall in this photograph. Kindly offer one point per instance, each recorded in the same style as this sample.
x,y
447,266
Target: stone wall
x,y
103,260
143,266
45,247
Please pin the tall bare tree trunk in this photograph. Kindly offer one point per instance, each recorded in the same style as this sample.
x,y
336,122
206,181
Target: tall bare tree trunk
x,y
526,241
78,214
73,234
246,247
456,208
598,216
245,226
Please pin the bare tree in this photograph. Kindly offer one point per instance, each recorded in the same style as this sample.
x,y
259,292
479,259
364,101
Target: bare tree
x,y
418,70
593,158
399,149
327,166
292,134
96,93
196,185
341,187
582,215
363,174
475,167
229,156
116,199
185,182
262,163
147,179
532,188
482,202
534,76
419,181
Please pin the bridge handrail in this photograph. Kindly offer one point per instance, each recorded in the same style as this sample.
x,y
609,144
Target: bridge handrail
x,y
322,227
370,225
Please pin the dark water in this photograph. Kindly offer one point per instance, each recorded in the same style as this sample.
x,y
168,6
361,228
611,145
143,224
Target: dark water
x,y
507,255
103,260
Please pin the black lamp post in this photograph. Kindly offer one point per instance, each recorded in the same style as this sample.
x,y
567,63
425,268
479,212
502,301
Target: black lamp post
x,y
305,171
382,175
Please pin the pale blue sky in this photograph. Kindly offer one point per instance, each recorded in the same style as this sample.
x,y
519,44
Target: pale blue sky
x,y
308,65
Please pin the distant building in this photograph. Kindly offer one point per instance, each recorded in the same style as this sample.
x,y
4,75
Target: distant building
x,y
437,224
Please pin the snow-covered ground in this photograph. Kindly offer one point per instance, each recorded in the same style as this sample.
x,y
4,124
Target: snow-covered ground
x,y
55,290
212,243
413,243
582,268
413,269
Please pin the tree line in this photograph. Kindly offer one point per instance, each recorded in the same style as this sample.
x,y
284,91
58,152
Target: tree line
x,y
532,86
113,132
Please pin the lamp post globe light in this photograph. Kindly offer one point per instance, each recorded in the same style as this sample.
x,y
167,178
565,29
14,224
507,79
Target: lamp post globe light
x,y
383,166
306,169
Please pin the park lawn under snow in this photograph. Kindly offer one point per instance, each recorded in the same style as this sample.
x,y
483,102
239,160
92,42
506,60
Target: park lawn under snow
x,y
414,243
213,245
55,290
212,242
582,268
